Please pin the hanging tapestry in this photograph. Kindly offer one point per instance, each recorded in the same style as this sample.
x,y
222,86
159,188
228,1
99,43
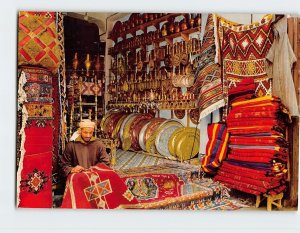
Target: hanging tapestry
x,y
39,136
37,40
39,110
244,49
90,88
216,147
38,86
35,163
208,84
97,188
36,74
38,92
35,184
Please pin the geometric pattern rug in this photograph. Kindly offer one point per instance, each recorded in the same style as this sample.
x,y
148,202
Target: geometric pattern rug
x,y
195,193
192,194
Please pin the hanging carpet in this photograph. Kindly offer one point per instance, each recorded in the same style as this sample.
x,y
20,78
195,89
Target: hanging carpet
x,y
244,49
35,184
37,40
34,175
208,84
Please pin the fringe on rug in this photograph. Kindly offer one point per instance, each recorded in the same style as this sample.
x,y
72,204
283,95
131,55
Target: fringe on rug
x,y
213,107
21,99
217,44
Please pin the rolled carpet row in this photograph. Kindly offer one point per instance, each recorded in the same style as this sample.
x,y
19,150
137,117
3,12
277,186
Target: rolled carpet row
x,y
257,149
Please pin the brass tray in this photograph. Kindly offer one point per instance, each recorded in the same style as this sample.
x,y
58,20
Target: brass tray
x,y
142,135
133,134
112,122
163,136
126,142
152,127
116,130
177,135
124,123
187,145
112,111
172,140
136,132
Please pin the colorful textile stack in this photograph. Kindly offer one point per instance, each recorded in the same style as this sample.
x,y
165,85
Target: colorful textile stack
x,y
208,84
258,150
243,91
35,164
216,147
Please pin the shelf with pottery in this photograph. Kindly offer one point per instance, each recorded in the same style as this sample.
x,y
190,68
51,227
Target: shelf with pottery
x,y
142,41
136,23
168,31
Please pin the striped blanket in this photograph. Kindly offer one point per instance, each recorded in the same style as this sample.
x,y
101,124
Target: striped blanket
x,y
216,147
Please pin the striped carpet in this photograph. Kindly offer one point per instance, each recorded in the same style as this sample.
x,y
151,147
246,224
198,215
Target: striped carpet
x,y
131,159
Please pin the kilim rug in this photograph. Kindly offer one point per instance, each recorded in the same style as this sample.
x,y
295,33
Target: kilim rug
x,y
35,184
194,193
203,194
244,49
99,188
208,84
37,40
153,187
39,137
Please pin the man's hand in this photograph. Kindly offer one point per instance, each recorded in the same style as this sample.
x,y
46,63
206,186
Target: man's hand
x,y
77,169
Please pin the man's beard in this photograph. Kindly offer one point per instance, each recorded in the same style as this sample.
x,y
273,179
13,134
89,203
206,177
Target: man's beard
x,y
84,139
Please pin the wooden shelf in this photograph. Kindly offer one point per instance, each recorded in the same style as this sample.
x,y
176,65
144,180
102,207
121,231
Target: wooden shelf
x,y
144,26
161,105
88,104
169,39
184,34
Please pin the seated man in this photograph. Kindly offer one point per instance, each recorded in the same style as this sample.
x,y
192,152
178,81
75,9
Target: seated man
x,y
90,182
85,151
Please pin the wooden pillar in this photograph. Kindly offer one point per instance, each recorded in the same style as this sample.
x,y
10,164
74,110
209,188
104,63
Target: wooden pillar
x,y
294,37
188,117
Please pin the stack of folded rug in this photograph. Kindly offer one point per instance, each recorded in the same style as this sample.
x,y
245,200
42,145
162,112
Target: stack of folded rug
x,y
258,150
245,90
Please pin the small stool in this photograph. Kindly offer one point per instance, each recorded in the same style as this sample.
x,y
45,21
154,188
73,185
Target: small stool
x,y
271,200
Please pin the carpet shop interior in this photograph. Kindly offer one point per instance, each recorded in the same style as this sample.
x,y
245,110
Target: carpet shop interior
x,y
197,111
